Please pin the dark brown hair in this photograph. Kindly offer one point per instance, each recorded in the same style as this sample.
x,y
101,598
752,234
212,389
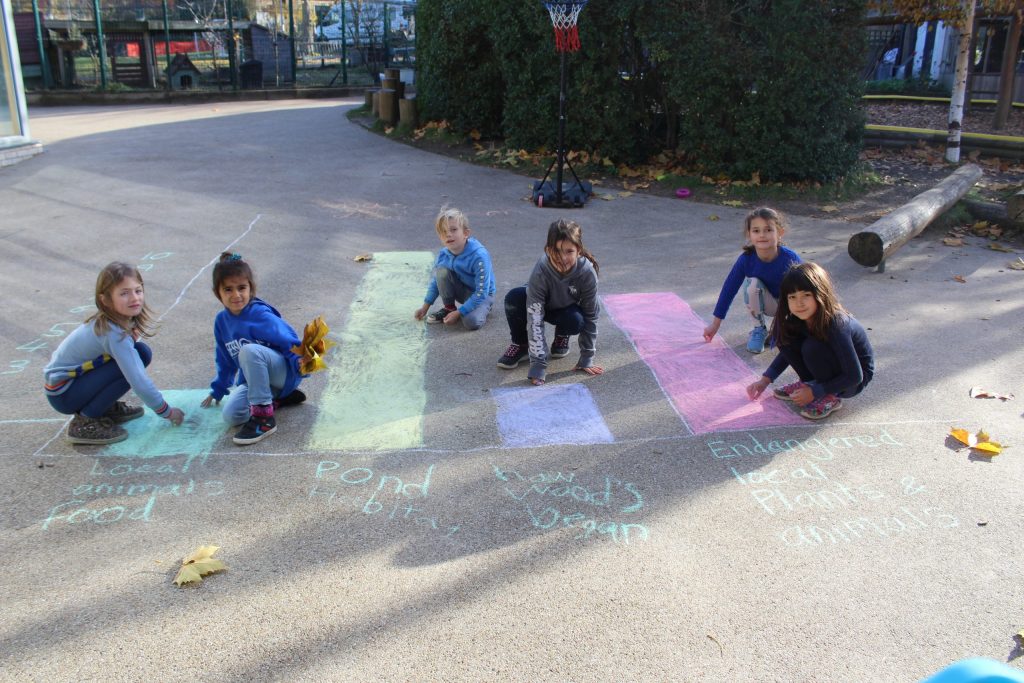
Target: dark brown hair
x,y
806,277
569,231
105,316
232,265
775,218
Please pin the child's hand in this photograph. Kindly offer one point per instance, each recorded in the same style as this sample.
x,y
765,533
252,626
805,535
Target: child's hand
x,y
711,330
592,370
452,317
802,396
757,388
176,417
421,311
208,401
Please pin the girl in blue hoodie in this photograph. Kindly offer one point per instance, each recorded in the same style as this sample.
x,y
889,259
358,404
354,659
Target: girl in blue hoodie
x,y
253,353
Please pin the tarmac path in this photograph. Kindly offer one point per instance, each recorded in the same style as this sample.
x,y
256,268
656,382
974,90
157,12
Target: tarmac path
x,y
427,516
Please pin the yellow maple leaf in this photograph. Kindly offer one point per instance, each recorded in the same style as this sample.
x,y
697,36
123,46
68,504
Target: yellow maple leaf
x,y
1016,265
713,217
363,257
978,442
199,564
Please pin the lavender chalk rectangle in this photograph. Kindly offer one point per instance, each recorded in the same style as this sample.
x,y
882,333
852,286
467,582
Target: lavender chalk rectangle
x,y
549,414
706,382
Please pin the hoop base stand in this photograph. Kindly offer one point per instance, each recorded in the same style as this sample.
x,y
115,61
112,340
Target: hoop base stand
x,y
554,195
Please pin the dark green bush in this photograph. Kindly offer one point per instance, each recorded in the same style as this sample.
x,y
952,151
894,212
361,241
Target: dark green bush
x,y
742,86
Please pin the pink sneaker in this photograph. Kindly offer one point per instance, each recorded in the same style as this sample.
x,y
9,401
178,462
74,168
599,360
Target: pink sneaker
x,y
786,392
822,408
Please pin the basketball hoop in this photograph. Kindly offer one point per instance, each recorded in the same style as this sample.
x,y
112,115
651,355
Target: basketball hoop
x,y
563,17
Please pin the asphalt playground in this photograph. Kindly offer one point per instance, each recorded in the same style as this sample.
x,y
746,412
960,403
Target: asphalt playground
x,y
426,516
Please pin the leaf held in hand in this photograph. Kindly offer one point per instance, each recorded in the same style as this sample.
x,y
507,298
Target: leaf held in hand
x,y
199,564
313,347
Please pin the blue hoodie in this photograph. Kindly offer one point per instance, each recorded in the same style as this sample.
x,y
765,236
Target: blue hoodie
x,y
258,323
472,267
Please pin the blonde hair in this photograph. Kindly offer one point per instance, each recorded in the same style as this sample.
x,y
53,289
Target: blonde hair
x,y
105,316
775,218
446,216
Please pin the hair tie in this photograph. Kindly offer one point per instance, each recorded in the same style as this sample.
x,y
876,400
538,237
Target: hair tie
x,y
234,257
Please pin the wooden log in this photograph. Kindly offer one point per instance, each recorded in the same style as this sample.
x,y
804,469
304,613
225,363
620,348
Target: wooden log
x,y
993,212
890,232
1015,207
388,106
407,113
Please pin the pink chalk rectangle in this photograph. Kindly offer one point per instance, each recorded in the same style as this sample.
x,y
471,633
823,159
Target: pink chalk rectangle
x,y
706,382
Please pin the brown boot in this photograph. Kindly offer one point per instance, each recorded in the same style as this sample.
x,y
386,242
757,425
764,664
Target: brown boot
x,y
122,412
94,430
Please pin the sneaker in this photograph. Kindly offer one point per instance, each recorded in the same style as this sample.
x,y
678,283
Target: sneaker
x,y
758,336
256,429
94,430
122,412
822,408
438,316
514,355
560,346
293,399
786,392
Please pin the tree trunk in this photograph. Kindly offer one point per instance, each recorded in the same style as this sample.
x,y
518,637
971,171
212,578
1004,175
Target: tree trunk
x,y
889,233
1008,77
956,102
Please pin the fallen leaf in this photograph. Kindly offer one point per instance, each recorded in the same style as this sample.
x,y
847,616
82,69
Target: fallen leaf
x,y
713,217
830,208
475,134
363,257
978,392
979,442
960,279
995,246
1016,265
952,241
979,227
732,202
625,194
197,565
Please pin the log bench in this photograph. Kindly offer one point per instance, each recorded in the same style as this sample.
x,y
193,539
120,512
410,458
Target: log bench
x,y
890,232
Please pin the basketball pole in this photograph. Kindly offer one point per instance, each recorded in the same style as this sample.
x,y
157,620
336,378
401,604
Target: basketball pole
x,y
561,128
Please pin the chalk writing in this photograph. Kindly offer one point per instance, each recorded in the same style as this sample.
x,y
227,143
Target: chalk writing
x,y
820,450
88,504
373,494
613,495
810,487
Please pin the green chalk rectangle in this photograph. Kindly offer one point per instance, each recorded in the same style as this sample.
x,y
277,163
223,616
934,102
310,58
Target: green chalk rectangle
x,y
375,395
150,436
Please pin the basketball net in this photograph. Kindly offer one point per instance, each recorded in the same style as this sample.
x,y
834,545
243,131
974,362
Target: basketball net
x,y
563,18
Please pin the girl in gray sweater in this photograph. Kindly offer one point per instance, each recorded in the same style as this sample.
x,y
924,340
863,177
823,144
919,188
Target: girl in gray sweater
x,y
562,291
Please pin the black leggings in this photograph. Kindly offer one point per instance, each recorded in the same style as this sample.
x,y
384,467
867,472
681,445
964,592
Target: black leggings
x,y
814,361
567,321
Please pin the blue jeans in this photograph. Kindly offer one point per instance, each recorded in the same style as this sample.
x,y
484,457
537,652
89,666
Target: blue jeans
x,y
265,372
814,362
452,289
567,321
95,391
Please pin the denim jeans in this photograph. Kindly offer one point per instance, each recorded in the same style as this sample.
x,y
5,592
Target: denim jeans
x,y
95,391
814,362
265,372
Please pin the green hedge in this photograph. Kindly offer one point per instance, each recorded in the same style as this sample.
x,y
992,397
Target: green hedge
x,y
740,86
